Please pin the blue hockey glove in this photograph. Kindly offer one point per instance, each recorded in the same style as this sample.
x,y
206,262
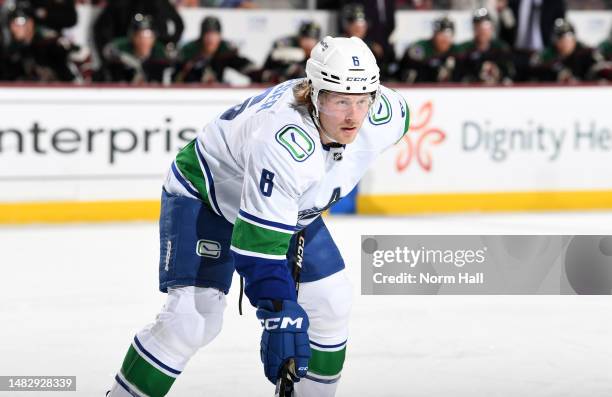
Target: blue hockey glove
x,y
285,325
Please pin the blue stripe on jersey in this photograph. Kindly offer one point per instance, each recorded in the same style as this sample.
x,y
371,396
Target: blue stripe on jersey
x,y
327,346
183,182
265,278
260,97
324,381
211,184
266,222
125,387
156,361
328,147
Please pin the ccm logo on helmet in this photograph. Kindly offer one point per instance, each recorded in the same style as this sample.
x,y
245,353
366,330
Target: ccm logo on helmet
x,y
273,323
356,79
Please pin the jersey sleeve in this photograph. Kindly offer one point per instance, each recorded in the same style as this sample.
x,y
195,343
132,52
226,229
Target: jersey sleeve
x,y
392,113
405,112
266,222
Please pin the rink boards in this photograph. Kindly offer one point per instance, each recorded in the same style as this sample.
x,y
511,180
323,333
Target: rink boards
x,y
100,154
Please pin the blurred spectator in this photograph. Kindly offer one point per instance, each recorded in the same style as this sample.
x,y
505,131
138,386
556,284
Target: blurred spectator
x,y
54,15
217,3
138,57
353,21
490,5
116,17
484,58
206,58
603,69
431,60
34,54
287,59
566,60
380,15
605,48
529,24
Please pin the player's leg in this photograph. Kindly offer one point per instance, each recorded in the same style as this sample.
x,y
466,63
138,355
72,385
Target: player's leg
x,y
328,304
191,318
326,295
196,270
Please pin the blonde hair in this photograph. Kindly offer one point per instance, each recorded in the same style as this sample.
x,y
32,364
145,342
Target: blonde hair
x,y
302,94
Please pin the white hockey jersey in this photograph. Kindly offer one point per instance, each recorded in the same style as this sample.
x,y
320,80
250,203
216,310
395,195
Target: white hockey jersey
x,y
262,166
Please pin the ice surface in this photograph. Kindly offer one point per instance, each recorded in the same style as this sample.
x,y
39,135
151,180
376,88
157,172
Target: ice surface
x,y
73,296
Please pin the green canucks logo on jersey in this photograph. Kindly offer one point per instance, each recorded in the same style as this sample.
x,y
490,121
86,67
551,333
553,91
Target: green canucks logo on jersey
x,y
382,113
297,142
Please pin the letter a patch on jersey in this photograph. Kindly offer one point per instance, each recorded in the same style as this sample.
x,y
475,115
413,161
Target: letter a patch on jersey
x,y
297,142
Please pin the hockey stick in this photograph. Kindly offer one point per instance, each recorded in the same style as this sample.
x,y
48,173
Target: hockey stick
x,y
284,384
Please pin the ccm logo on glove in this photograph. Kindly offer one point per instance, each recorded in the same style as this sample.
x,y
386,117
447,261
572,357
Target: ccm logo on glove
x,y
273,323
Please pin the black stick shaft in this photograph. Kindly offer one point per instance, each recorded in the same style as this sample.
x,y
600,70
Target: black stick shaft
x,y
284,385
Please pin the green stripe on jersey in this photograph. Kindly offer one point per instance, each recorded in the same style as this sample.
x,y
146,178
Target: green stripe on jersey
x,y
326,363
249,237
407,123
144,376
187,162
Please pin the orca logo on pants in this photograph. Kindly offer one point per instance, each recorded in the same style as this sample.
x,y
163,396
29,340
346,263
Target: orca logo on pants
x,y
208,248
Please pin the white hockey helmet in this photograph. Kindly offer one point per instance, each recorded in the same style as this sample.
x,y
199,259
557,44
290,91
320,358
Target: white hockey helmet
x,y
343,65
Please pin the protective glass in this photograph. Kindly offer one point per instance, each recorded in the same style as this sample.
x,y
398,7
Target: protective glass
x,y
335,103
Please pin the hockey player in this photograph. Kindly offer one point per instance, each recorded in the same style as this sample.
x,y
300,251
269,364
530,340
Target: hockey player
x,y
205,59
485,58
33,53
234,198
354,22
603,69
567,60
431,60
138,57
605,48
287,59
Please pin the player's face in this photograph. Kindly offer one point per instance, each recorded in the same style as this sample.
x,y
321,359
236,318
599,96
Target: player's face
x,y
358,29
443,40
307,44
483,32
22,29
566,44
143,41
341,115
211,41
